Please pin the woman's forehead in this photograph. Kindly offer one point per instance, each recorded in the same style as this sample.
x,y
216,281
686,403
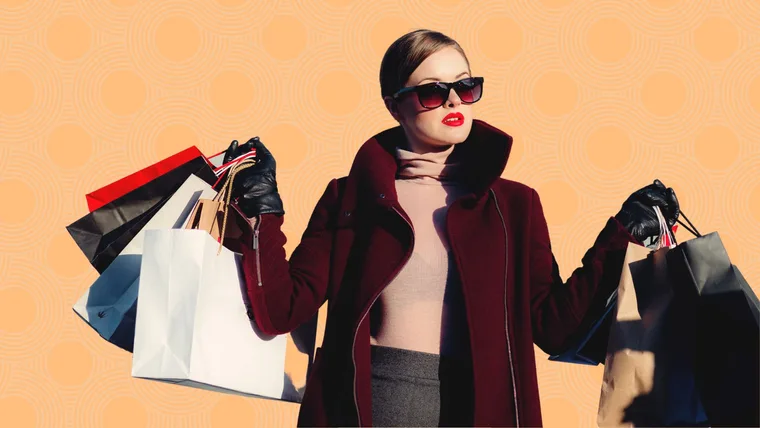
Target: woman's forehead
x,y
444,65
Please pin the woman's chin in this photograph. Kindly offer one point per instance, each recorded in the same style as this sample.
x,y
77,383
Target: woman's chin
x,y
454,135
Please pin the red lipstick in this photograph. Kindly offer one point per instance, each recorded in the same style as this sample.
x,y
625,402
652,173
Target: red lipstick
x,y
453,119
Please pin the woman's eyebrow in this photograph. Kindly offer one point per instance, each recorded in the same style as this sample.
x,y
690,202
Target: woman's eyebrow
x,y
438,79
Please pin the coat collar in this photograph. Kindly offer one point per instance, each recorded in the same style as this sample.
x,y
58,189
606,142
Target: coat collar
x,y
484,156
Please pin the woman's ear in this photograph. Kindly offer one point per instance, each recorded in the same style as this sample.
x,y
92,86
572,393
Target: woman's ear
x,y
392,107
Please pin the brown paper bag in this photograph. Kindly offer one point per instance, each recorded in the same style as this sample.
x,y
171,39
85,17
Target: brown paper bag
x,y
648,378
629,368
217,216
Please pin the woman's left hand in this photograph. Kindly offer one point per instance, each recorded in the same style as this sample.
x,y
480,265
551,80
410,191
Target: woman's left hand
x,y
637,214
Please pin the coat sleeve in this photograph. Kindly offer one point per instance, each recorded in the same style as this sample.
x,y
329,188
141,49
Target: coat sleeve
x,y
285,293
557,307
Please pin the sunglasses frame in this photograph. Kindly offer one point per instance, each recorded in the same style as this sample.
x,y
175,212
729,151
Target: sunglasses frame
x,y
449,86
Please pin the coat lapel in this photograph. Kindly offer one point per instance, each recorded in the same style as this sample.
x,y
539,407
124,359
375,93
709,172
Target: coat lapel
x,y
387,238
484,155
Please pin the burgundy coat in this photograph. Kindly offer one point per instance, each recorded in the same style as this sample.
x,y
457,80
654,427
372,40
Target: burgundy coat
x,y
359,237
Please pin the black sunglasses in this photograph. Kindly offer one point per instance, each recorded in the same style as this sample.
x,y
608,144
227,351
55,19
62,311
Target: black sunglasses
x,y
434,95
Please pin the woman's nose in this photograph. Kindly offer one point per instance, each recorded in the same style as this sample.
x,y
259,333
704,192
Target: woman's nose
x,y
454,99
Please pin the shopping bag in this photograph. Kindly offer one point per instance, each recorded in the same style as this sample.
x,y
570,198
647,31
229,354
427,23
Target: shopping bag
x,y
205,338
109,305
589,344
726,313
219,216
103,234
131,182
119,188
648,378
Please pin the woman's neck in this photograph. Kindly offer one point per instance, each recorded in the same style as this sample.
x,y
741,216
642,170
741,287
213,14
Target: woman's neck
x,y
438,165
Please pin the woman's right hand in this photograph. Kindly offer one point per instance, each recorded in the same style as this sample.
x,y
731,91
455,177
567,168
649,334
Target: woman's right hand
x,y
255,188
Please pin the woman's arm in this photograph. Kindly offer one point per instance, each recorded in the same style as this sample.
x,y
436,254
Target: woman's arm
x,y
558,307
284,294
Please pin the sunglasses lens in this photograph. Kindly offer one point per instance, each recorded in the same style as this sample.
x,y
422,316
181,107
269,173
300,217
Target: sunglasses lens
x,y
469,90
431,96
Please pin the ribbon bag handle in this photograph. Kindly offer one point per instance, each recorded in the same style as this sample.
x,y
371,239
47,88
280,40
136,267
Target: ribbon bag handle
x,y
666,238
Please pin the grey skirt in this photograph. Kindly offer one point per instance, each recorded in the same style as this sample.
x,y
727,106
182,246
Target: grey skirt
x,y
412,388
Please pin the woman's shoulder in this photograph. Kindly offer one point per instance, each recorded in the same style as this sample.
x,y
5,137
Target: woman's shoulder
x,y
512,188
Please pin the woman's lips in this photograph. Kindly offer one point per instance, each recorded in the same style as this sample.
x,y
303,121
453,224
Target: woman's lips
x,y
453,119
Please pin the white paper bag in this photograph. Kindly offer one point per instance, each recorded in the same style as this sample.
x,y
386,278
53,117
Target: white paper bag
x,y
192,324
109,304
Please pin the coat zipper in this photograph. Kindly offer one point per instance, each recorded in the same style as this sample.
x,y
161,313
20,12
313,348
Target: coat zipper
x,y
506,315
365,312
256,247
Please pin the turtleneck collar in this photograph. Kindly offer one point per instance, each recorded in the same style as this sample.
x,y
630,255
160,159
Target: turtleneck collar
x,y
439,166
484,156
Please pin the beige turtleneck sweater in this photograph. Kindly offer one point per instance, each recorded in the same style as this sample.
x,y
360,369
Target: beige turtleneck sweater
x,y
422,309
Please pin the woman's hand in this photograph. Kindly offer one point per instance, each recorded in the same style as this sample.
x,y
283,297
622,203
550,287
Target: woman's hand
x,y
234,150
637,214
255,188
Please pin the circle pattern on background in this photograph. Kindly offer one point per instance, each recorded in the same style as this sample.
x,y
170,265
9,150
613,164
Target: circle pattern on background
x,y
70,363
123,92
716,39
609,39
555,93
601,97
19,309
178,38
285,37
663,93
69,146
18,92
232,92
69,37
24,201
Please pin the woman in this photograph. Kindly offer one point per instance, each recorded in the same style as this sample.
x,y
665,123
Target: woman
x,y
438,273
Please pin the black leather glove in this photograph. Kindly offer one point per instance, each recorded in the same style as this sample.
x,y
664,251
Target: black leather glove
x,y
637,214
234,151
255,188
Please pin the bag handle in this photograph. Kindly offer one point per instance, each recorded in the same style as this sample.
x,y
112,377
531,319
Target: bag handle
x,y
694,232
226,193
666,237
223,168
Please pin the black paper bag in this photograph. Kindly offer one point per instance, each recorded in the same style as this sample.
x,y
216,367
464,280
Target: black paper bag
x,y
103,233
590,343
726,313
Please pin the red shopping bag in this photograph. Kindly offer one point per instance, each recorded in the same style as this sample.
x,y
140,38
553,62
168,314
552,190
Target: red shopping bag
x,y
131,182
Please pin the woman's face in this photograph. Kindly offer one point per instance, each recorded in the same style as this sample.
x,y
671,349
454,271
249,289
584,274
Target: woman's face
x,y
428,130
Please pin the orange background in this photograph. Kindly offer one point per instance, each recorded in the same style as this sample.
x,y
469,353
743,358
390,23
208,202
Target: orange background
x,y
601,97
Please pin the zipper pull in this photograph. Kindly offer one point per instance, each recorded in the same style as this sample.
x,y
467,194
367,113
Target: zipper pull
x,y
255,230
